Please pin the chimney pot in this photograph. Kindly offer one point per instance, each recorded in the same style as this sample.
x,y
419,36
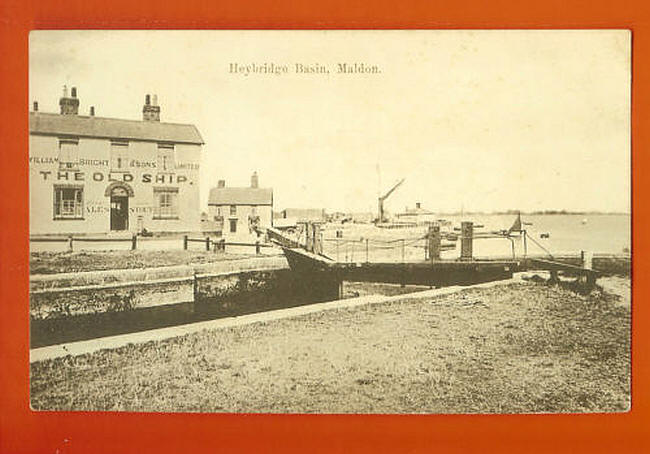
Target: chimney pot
x,y
35,106
254,180
221,184
92,111
417,204
150,112
154,100
69,104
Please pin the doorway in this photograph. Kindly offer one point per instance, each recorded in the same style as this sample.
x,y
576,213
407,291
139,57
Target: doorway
x,y
119,209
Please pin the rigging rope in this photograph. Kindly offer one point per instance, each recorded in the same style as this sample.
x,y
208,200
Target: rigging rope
x,y
543,248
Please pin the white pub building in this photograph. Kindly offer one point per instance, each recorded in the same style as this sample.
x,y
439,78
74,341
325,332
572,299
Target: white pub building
x,y
94,175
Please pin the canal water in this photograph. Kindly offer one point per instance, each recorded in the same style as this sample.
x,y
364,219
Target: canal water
x,y
253,292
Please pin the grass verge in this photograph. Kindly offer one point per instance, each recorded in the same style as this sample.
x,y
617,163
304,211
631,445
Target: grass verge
x,y
73,262
524,348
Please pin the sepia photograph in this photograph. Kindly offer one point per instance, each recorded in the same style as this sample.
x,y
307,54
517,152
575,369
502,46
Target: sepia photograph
x,y
330,221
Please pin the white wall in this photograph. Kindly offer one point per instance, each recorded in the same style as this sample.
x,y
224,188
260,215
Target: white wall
x,y
95,176
243,212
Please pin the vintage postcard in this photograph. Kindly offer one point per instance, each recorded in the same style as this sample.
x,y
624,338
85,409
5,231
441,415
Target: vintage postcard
x,y
394,222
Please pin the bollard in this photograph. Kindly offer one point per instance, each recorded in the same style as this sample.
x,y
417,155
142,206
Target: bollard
x,y
525,244
434,242
316,238
309,243
185,242
134,242
70,243
207,243
466,239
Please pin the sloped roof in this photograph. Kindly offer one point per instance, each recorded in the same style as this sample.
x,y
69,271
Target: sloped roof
x,y
112,128
240,196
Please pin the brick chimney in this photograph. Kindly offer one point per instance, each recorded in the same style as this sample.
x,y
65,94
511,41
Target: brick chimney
x,y
417,205
69,104
92,111
221,183
254,181
35,109
151,110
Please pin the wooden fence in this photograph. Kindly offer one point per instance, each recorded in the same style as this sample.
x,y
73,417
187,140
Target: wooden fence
x,y
220,245
210,244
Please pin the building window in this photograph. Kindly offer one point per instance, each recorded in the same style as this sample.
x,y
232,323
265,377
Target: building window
x,y
119,156
233,210
166,162
233,225
165,203
68,202
68,154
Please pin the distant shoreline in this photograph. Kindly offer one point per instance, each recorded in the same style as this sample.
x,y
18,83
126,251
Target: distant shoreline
x,y
537,213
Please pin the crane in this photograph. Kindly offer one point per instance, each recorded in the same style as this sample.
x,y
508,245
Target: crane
x,y
381,218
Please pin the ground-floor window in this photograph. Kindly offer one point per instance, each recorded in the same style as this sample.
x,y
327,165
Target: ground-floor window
x,y
233,225
68,202
165,203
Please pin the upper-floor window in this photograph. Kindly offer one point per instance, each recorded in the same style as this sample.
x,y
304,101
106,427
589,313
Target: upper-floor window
x,y
68,202
233,210
119,155
68,153
166,161
166,203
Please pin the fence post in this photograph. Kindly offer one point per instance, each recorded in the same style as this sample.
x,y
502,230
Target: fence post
x,y
185,242
367,250
466,240
403,251
70,243
257,247
195,288
207,243
587,263
223,245
134,242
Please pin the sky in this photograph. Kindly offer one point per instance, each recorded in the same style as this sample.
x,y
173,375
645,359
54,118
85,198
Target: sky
x,y
473,120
